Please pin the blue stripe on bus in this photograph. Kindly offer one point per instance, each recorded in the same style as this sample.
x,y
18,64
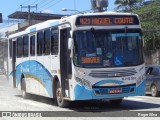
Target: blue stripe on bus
x,y
117,82
82,93
35,69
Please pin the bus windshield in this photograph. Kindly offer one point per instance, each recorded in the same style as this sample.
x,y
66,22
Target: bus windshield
x,y
108,48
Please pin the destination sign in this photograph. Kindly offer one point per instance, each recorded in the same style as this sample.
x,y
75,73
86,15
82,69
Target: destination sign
x,y
107,20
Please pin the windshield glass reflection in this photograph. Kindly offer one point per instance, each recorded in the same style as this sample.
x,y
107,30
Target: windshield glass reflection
x,y
103,48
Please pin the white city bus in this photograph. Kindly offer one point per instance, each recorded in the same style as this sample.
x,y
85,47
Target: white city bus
x,y
80,57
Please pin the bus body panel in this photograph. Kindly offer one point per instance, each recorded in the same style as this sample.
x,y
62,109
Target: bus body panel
x,y
82,93
130,85
40,71
38,79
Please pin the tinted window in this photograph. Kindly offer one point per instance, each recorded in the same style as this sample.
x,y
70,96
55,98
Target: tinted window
x,y
149,71
32,45
155,71
152,71
39,43
19,47
25,46
46,47
54,40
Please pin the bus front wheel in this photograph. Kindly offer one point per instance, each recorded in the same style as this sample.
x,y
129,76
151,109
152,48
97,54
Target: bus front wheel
x,y
59,99
116,102
154,91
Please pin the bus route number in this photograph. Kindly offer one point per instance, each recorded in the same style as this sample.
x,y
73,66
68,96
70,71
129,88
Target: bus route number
x,y
85,21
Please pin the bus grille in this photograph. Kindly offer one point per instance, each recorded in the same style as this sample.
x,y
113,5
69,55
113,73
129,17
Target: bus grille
x,y
125,89
115,73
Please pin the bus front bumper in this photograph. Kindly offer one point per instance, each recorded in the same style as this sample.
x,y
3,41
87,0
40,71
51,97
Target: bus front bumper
x,y
83,93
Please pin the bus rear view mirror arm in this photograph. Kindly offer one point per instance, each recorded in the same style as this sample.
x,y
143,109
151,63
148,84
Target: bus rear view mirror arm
x,y
70,44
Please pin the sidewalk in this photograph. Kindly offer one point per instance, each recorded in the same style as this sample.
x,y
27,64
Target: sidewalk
x,y
6,88
3,80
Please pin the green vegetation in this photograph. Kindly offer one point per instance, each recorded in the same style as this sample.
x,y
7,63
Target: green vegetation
x,y
150,20
124,5
149,17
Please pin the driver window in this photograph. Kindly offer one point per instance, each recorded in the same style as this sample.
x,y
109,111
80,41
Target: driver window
x,y
155,71
149,71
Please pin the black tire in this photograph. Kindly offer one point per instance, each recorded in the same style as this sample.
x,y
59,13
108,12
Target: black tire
x,y
116,102
25,95
59,99
154,91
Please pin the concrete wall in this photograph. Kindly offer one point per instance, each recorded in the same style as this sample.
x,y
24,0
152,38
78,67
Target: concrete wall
x,y
3,54
152,57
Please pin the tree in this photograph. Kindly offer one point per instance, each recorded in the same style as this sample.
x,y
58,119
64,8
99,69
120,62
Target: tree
x,y
150,21
124,5
149,17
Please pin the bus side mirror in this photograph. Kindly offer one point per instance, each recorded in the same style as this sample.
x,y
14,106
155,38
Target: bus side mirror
x,y
70,47
70,44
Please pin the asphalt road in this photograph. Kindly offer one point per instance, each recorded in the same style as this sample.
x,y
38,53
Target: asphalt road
x,y
11,100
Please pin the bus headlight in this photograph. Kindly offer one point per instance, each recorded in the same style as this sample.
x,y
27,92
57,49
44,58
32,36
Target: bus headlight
x,y
87,84
83,82
140,79
79,80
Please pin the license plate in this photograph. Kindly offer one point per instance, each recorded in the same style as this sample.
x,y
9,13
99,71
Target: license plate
x,y
115,90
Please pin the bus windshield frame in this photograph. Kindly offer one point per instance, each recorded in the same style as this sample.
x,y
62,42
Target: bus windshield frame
x,y
104,48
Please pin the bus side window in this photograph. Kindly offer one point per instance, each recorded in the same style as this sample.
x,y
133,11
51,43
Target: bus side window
x,y
39,43
25,46
46,47
54,41
19,47
32,45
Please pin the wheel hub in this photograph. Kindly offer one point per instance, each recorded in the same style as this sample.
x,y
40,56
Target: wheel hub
x,y
153,90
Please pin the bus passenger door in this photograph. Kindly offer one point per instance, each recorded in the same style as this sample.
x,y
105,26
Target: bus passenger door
x,y
14,62
65,61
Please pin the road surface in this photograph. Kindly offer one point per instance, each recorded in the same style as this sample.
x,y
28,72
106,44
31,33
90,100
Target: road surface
x,y
11,100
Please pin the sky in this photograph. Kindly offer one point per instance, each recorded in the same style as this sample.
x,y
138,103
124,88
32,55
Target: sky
x,y
51,6
7,7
